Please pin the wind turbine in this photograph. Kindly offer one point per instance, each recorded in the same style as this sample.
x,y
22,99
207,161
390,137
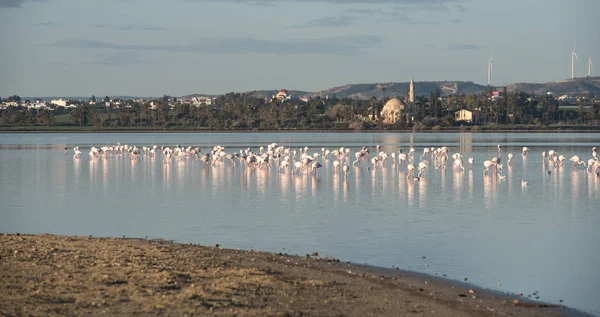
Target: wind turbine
x,y
490,72
573,57
590,67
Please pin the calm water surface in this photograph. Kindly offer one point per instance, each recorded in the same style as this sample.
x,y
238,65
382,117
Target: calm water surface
x,y
543,237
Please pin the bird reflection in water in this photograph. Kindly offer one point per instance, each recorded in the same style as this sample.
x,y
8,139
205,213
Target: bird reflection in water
x,y
410,191
422,183
77,171
336,187
357,177
489,191
300,185
105,171
167,177
471,184
457,183
284,182
262,179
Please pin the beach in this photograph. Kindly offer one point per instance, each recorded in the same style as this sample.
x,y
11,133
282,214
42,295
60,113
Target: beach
x,y
43,275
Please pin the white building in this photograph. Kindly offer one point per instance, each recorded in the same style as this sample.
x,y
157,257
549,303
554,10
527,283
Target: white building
x,y
463,115
282,95
58,102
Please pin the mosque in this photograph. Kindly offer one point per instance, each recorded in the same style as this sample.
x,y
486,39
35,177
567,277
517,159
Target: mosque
x,y
392,111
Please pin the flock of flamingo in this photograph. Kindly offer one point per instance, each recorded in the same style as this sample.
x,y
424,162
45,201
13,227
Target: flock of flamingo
x,y
300,161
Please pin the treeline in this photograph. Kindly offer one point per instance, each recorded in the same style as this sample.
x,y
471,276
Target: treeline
x,y
245,111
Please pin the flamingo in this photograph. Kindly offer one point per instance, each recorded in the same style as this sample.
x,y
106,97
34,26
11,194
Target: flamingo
x,y
410,168
510,157
297,166
358,156
487,165
336,165
284,164
525,151
471,161
577,161
458,162
77,153
561,159
422,166
425,152
374,161
315,165
345,169
591,163
206,159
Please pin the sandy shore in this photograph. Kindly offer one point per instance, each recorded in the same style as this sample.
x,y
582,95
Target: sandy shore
x,y
43,275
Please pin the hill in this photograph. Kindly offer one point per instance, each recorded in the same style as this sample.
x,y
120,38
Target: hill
x,y
577,86
271,93
422,88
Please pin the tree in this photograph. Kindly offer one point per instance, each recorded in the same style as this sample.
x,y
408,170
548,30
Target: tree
x,y
78,115
93,98
14,98
106,99
45,117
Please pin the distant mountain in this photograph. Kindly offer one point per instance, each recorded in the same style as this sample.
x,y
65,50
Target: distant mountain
x,y
422,88
98,98
197,95
577,86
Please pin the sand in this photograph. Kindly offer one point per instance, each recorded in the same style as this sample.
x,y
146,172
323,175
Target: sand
x,y
42,275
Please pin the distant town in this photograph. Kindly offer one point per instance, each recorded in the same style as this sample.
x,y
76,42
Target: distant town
x,y
391,106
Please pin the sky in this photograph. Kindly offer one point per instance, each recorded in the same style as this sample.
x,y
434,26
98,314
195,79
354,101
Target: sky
x,y
180,47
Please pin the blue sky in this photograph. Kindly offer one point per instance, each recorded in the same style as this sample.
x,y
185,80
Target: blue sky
x,y
178,47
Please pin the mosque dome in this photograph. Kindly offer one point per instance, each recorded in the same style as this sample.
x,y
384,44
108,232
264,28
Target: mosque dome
x,y
392,110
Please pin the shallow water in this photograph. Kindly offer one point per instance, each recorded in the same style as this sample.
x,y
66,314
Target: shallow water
x,y
542,237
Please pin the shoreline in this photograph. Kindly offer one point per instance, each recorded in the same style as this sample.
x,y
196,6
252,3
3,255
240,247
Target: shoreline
x,y
66,275
48,131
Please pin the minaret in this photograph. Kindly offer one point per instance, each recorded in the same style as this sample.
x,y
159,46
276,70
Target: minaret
x,y
411,94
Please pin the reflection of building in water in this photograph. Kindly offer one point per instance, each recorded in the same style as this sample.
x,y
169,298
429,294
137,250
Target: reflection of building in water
x,y
389,142
466,142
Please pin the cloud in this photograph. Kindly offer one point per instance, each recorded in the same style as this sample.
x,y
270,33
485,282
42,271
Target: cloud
x,y
121,58
16,3
338,45
342,20
46,24
460,8
463,47
129,27
397,2
455,21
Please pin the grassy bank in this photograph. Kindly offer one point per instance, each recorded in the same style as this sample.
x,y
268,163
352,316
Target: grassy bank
x,y
178,129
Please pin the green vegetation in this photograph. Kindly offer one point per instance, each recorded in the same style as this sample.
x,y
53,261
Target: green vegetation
x,y
234,111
